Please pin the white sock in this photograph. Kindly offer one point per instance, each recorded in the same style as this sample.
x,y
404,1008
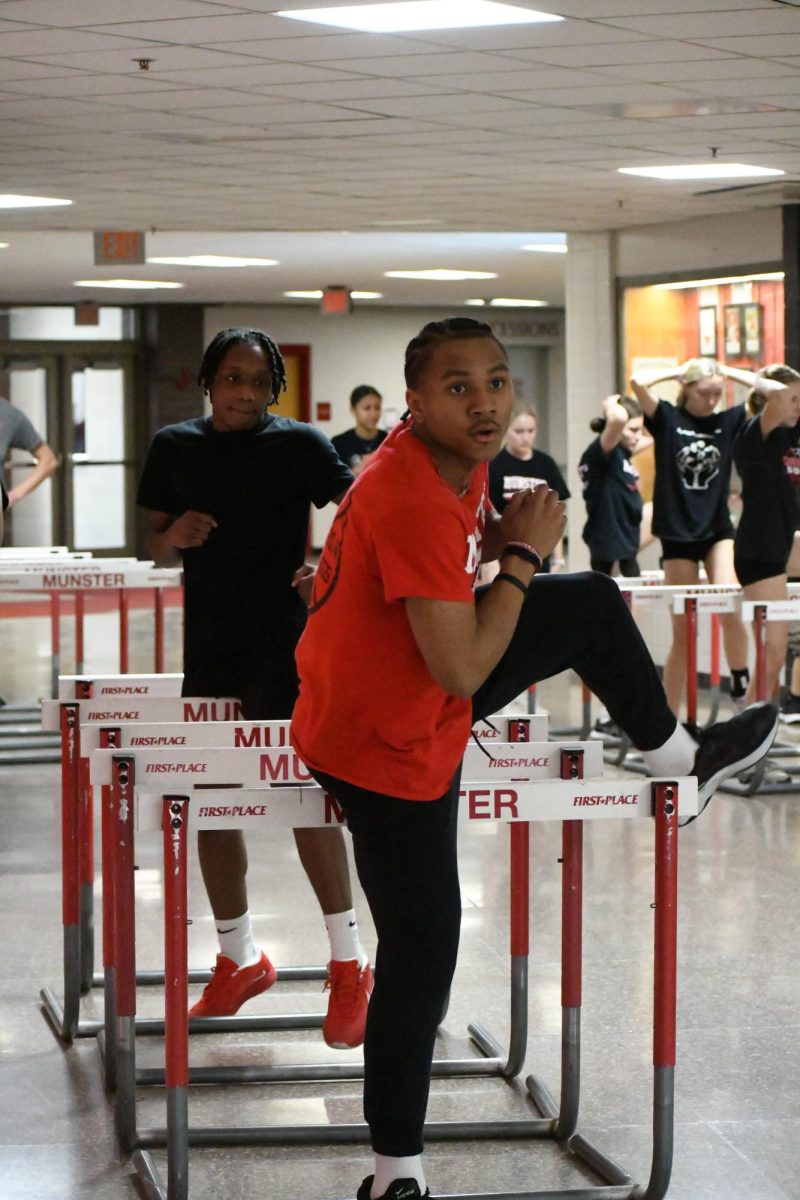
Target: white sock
x,y
343,935
236,940
675,757
388,1169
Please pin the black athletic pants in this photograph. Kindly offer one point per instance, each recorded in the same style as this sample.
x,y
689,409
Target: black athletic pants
x,y
406,855
629,567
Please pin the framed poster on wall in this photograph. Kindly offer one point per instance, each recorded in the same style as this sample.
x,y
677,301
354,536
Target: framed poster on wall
x,y
752,329
707,331
732,321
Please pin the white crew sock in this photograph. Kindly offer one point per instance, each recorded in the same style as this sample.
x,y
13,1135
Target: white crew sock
x,y
236,940
388,1169
343,935
675,757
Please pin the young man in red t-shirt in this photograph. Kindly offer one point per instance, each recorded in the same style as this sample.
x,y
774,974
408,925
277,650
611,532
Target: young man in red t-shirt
x,y
400,656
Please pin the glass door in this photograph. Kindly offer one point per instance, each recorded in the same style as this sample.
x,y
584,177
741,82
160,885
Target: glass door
x,y
29,384
99,467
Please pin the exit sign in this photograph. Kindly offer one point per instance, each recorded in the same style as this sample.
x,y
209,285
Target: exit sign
x,y
115,247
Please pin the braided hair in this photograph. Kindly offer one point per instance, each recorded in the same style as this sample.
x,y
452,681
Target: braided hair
x,y
420,349
219,346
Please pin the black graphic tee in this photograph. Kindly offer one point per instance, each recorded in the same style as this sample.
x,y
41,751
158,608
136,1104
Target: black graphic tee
x,y
693,471
613,502
508,475
770,472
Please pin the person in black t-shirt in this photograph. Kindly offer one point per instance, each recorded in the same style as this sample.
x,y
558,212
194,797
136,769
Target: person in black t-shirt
x,y
229,495
518,466
767,456
611,487
355,445
693,446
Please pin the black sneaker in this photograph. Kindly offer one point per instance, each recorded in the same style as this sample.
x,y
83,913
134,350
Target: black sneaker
x,y
730,747
790,713
605,727
399,1189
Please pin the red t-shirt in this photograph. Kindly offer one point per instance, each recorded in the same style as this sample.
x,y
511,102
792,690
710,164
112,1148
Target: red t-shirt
x,y
369,710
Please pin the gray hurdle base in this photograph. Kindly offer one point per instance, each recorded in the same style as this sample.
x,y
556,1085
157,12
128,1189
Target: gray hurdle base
x,y
551,800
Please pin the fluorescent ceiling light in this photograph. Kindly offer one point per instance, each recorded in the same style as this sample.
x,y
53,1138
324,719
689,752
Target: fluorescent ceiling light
x,y
421,14
547,247
9,200
142,285
213,260
475,303
441,274
507,302
317,295
4,245
711,170
701,283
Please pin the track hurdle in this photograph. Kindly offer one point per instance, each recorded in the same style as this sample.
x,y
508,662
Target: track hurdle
x,y
760,613
117,699
262,747
58,577
516,803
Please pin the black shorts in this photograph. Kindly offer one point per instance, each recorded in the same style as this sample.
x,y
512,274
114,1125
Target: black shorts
x,y
693,551
628,567
751,570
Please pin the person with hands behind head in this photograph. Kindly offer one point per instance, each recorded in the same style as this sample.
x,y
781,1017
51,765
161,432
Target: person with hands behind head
x,y
767,456
228,495
693,444
611,487
401,655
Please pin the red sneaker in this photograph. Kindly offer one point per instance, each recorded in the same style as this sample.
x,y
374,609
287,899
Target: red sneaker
x,y
230,986
350,988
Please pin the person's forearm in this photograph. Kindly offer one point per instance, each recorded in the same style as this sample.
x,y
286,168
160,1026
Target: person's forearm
x,y
748,378
37,476
161,550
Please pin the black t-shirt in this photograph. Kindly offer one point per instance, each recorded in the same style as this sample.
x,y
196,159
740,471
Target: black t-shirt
x,y
509,474
613,502
3,496
693,471
351,448
241,611
770,472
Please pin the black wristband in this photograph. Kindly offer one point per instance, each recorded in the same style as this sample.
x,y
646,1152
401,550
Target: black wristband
x,y
525,553
513,579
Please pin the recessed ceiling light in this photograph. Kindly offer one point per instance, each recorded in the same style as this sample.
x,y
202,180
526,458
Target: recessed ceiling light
x,y
9,200
421,14
142,285
440,274
547,247
475,303
4,245
711,170
507,302
317,295
213,260
722,280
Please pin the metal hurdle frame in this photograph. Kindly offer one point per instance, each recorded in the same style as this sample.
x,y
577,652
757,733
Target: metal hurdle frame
x,y
77,826
513,802
761,613
106,575
496,1060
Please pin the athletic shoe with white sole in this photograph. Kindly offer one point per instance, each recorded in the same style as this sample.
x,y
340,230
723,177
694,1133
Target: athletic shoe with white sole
x,y
790,713
399,1189
350,987
730,747
230,985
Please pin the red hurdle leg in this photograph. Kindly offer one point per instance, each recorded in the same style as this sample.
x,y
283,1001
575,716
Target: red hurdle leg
x,y
691,659
519,847
67,1022
571,956
122,793
714,678
79,616
665,986
760,630
109,739
86,875
55,642
174,823
124,622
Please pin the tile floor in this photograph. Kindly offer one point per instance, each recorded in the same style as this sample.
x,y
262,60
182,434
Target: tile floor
x,y
737,1131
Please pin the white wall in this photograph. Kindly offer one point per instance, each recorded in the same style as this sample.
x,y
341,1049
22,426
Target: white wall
x,y
726,241
369,347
